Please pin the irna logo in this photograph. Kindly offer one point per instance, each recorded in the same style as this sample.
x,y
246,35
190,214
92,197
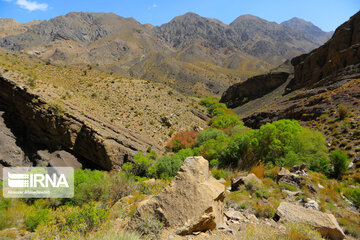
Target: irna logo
x,y
38,182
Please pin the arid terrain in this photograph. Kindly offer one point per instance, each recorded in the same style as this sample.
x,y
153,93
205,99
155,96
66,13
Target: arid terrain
x,y
135,110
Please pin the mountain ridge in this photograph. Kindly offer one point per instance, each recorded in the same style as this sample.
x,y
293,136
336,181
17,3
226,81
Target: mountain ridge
x,y
191,53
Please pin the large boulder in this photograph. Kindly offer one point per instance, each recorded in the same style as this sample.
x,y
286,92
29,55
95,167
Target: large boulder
x,y
325,223
193,201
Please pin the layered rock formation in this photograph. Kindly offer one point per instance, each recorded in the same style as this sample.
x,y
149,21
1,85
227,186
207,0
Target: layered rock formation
x,y
48,125
255,87
325,64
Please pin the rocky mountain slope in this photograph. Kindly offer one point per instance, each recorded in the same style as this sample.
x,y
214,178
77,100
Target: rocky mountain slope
x,y
100,119
322,90
190,53
9,26
310,31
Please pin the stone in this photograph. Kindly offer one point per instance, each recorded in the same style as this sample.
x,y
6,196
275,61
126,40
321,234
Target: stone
x,y
285,176
229,230
58,159
298,168
291,193
324,223
166,120
234,215
192,202
198,129
150,181
252,218
222,180
236,183
250,179
311,204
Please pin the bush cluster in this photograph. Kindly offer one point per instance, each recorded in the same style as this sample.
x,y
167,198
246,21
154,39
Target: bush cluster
x,y
228,143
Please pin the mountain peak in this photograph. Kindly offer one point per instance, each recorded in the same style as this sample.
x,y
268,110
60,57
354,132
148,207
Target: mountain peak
x,y
310,31
295,21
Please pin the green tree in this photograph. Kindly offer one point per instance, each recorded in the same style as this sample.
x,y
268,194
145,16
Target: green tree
x,y
340,160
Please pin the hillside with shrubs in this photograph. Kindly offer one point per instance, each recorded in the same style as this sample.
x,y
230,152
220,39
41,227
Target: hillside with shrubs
x,y
104,201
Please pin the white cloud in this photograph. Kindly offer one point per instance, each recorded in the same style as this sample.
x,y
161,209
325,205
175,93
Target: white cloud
x,y
154,5
31,6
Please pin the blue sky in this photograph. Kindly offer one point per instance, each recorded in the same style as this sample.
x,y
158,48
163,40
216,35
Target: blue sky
x,y
327,14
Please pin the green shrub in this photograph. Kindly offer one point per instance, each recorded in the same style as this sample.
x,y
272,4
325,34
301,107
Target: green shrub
x,y
301,231
35,218
343,112
340,160
218,111
207,134
88,186
273,140
286,143
264,210
225,121
167,166
221,173
288,187
144,164
236,150
85,219
207,102
148,227
262,193
216,107
213,148
353,194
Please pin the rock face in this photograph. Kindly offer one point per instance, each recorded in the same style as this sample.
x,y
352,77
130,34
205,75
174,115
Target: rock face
x,y
194,200
342,50
46,125
325,223
255,87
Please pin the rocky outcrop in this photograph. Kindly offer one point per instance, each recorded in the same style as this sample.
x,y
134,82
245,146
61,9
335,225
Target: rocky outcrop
x,y
194,200
322,65
49,125
255,87
250,179
325,223
293,179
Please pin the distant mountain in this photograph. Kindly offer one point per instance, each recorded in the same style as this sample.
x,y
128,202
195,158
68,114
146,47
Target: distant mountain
x,y
9,26
310,31
194,54
269,40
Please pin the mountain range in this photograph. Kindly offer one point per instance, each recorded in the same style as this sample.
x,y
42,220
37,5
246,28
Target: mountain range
x,y
191,53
